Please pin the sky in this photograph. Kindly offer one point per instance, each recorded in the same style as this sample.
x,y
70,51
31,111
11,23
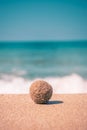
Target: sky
x,y
41,20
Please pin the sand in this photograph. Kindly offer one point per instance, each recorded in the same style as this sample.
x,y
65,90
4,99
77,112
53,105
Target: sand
x,y
64,112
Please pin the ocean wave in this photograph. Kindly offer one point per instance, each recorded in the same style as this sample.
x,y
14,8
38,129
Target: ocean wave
x,y
71,84
19,72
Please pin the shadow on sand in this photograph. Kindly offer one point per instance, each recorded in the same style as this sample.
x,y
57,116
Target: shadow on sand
x,y
54,102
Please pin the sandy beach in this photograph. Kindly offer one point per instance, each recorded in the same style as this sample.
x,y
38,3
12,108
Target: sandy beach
x,y
64,112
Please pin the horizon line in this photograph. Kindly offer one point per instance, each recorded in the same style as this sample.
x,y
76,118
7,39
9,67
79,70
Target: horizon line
x,y
77,40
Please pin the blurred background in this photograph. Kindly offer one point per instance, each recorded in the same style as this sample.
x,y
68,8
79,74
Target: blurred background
x,y
43,59
42,39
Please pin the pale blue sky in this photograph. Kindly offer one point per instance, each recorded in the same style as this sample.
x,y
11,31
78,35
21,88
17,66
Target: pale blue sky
x,y
43,20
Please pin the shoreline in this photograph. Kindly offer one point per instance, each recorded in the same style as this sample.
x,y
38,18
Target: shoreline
x,y
63,112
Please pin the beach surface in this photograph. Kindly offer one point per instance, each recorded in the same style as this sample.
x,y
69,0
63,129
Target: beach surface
x,y
63,112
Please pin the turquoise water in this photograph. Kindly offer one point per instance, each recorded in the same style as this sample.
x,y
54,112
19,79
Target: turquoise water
x,y
43,59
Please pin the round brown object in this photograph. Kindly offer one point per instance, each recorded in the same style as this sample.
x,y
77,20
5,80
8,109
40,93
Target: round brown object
x,y
40,92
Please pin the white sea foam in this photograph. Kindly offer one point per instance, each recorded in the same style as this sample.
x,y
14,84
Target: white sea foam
x,y
68,84
19,72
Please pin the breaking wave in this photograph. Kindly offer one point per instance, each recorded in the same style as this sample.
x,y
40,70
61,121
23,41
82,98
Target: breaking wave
x,y
71,84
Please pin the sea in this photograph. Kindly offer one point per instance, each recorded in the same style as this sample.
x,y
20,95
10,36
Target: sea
x,y
63,64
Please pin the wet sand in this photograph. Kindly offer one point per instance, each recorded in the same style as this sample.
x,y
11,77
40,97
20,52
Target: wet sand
x,y
64,112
